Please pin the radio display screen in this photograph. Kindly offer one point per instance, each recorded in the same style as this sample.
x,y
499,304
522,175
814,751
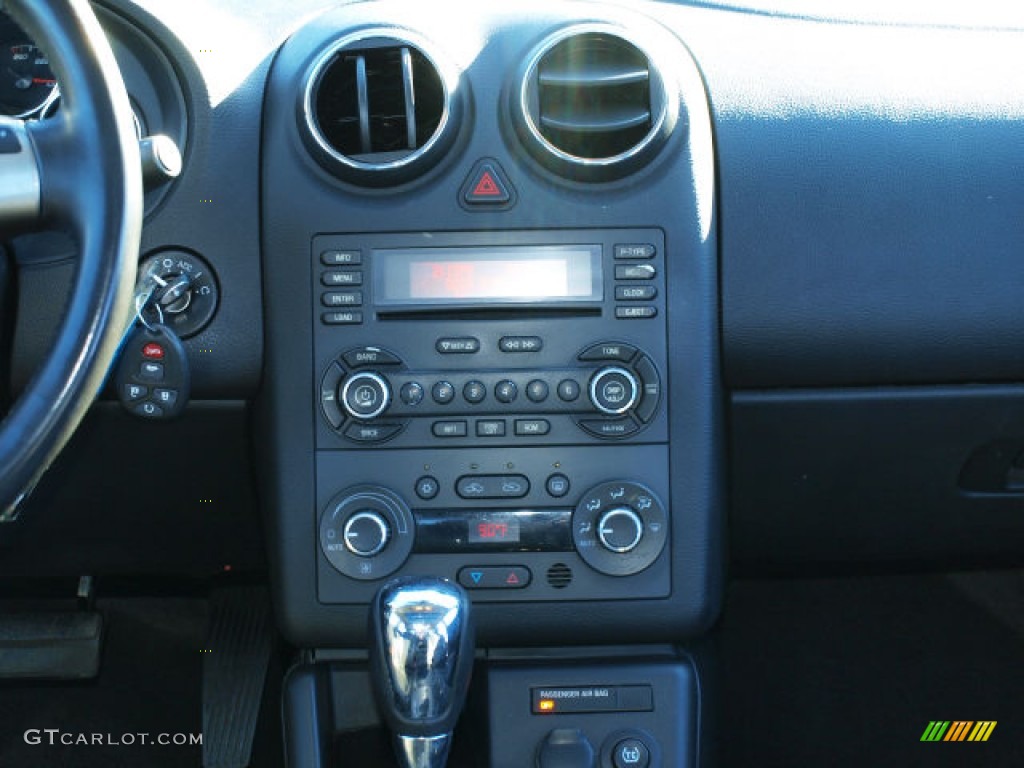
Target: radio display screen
x,y
503,274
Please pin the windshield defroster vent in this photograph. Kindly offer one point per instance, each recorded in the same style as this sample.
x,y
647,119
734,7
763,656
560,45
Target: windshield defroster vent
x,y
592,105
379,111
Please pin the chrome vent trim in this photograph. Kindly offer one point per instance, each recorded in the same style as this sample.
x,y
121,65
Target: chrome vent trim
x,y
378,110
593,105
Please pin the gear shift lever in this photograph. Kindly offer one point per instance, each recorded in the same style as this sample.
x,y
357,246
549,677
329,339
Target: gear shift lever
x,y
420,658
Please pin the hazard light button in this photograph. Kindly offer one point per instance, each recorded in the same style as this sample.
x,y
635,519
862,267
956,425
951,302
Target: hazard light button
x,y
487,186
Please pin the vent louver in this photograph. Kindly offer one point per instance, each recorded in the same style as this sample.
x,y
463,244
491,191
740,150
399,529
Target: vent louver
x,y
379,110
593,106
559,575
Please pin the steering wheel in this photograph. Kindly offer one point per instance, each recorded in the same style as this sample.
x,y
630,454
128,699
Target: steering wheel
x,y
80,171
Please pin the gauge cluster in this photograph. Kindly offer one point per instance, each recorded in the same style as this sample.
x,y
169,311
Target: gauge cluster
x,y
28,87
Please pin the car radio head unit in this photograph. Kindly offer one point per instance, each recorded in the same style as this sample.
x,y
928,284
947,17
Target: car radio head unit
x,y
491,407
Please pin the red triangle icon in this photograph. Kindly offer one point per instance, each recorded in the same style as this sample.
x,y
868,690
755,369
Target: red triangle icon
x,y
512,579
486,186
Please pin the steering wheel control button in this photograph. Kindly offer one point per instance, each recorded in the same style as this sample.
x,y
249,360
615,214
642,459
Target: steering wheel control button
x,y
635,251
568,390
365,396
506,391
635,272
619,528
532,427
443,392
474,392
631,753
336,278
359,546
366,533
449,429
494,577
608,351
9,144
614,390
557,486
342,318
411,393
516,344
341,258
566,748
490,428
136,373
466,345
427,487
492,486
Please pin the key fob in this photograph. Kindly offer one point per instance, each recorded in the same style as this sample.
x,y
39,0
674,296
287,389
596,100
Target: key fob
x,y
152,377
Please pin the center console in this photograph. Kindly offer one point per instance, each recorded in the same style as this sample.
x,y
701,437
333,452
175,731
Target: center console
x,y
494,361
499,397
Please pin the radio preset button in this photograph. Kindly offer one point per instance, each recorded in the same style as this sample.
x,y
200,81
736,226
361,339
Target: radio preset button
x,y
364,356
341,258
337,277
635,272
506,391
449,429
623,353
568,390
490,428
411,393
635,251
514,344
443,392
532,427
537,391
466,345
365,395
474,392
614,390
635,313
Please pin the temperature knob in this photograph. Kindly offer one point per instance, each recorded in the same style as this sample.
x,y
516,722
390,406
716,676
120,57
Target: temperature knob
x,y
366,533
365,395
620,530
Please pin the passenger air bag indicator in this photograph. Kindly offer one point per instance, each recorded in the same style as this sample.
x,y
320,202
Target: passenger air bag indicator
x,y
592,698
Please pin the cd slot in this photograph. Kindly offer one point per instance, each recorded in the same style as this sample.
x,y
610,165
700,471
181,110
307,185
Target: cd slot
x,y
488,313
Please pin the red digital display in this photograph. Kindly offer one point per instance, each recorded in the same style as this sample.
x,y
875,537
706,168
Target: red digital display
x,y
492,279
494,530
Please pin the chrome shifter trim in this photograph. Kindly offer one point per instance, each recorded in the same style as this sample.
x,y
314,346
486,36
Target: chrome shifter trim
x,y
423,751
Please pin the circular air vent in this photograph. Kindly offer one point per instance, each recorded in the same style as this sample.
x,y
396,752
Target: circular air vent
x,y
378,110
593,106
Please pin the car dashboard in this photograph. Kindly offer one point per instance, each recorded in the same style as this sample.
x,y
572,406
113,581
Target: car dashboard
x,y
582,306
